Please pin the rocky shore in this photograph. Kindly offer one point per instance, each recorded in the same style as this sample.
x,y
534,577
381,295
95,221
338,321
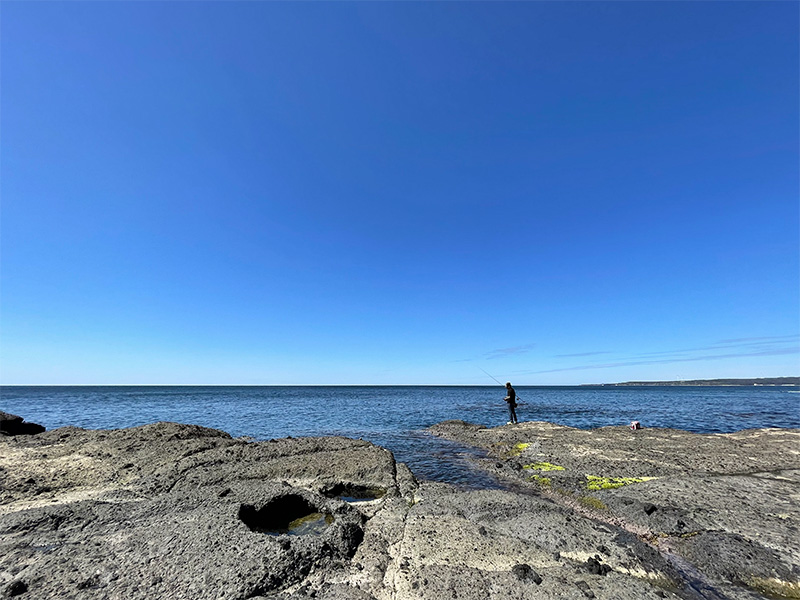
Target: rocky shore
x,y
184,512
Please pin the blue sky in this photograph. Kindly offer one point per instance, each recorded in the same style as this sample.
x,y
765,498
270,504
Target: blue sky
x,y
398,193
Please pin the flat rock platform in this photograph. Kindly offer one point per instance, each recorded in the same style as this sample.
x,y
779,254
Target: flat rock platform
x,y
184,512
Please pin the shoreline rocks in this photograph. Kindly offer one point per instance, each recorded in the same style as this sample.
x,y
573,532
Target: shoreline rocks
x,y
179,511
15,425
186,512
722,506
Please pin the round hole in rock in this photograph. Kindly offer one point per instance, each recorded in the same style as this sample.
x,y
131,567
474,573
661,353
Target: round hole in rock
x,y
351,492
291,514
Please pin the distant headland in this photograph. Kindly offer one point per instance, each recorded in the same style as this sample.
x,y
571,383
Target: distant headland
x,y
737,382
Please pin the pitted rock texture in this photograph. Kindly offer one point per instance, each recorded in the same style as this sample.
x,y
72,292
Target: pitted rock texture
x,y
185,512
156,511
724,508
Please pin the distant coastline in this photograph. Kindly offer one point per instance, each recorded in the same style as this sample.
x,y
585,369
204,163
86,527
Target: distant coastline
x,y
767,381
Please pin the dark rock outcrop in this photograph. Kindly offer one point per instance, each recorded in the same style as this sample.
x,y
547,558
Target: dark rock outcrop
x,y
526,574
14,425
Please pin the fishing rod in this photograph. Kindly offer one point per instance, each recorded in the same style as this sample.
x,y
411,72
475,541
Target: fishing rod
x,y
493,378
503,384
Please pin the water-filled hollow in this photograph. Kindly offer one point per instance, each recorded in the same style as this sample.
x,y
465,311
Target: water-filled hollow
x,y
290,514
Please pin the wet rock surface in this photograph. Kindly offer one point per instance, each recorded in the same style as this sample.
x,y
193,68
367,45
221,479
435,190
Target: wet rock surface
x,y
185,512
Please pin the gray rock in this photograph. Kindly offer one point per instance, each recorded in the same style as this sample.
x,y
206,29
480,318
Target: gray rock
x,y
15,588
179,511
596,567
185,512
526,574
717,509
585,589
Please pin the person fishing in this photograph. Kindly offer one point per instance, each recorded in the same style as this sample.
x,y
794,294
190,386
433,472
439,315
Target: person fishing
x,y
511,398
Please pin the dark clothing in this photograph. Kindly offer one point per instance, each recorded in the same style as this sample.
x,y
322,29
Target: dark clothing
x,y
512,414
512,396
512,404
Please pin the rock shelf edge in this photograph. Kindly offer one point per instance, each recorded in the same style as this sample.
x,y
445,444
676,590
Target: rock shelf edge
x,y
179,511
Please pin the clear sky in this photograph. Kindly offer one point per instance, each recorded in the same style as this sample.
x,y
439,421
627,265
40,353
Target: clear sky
x,y
398,193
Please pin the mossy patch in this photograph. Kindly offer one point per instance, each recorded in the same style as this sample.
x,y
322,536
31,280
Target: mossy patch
x,y
543,466
566,493
545,481
596,482
518,449
592,502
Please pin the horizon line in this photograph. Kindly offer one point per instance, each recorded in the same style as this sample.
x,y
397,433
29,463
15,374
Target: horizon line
x,y
636,381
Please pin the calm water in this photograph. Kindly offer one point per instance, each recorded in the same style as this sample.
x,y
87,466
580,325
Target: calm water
x,y
396,417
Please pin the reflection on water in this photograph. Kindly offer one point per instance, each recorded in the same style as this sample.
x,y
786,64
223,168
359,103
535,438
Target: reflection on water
x,y
313,524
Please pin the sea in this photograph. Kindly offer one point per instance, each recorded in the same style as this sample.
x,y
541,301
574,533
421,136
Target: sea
x,y
397,417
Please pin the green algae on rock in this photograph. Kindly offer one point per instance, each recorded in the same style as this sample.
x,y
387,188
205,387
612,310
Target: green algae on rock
x,y
592,502
543,466
518,449
719,514
545,481
597,483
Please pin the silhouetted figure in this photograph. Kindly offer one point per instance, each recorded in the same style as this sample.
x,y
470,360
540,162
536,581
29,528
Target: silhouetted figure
x,y
512,403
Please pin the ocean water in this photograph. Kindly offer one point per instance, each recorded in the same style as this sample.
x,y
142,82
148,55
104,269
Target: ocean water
x,y
396,417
